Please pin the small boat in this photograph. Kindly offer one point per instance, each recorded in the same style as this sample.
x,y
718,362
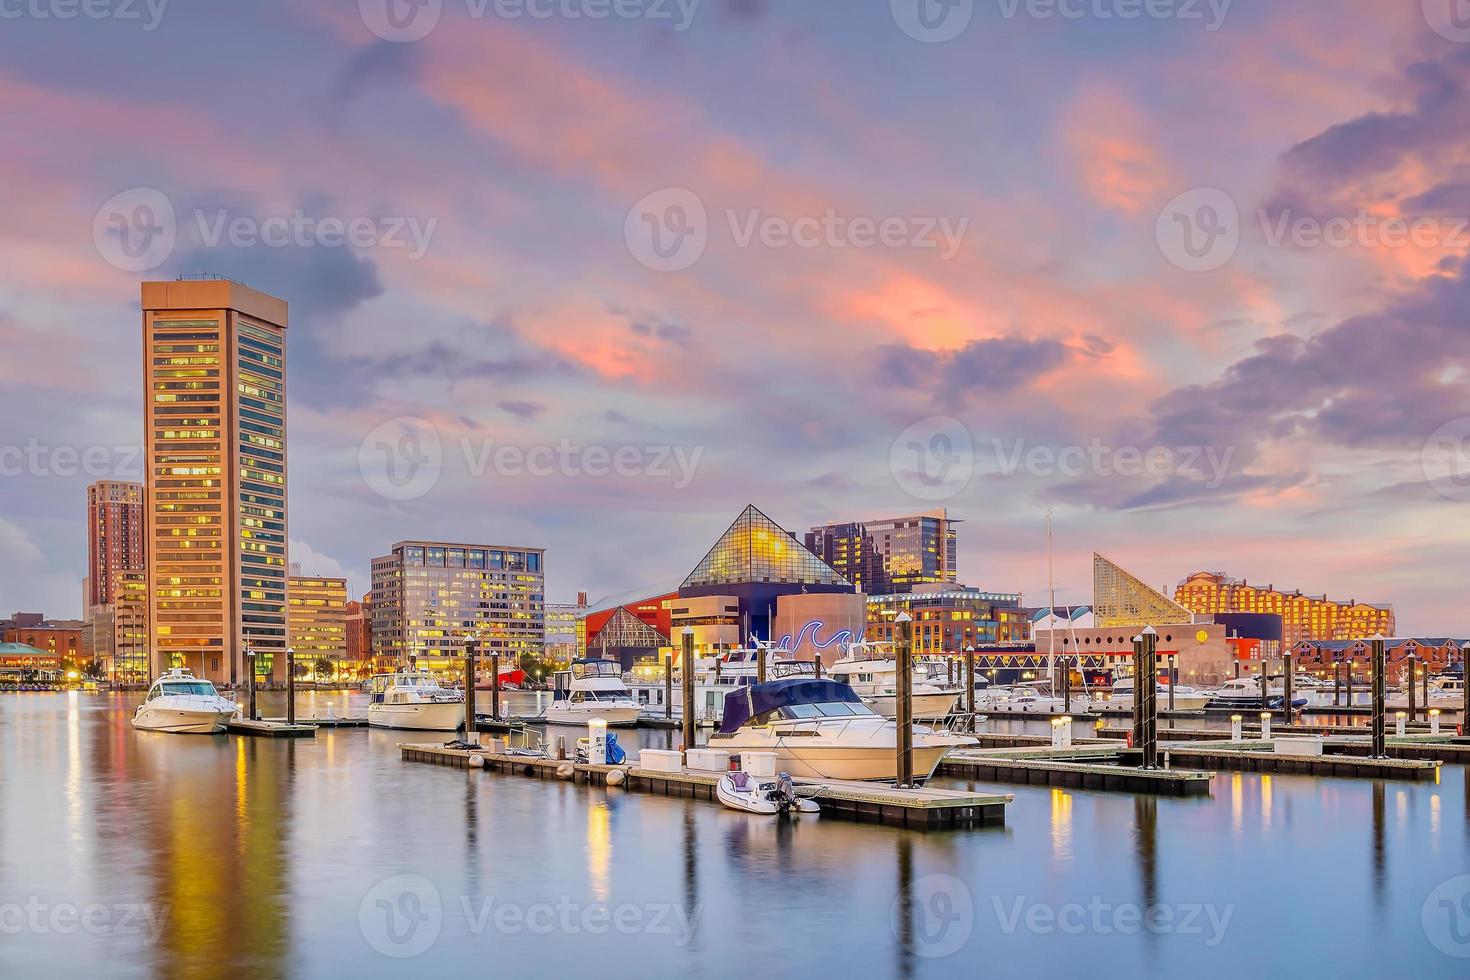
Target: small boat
x,y
592,689
873,674
1244,693
1185,698
414,700
742,791
182,704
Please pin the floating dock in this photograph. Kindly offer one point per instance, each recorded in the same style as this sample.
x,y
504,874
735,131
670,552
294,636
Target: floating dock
x,y
1093,766
269,729
917,809
1259,757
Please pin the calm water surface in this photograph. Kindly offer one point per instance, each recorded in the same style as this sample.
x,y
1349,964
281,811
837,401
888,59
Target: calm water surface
x,y
137,855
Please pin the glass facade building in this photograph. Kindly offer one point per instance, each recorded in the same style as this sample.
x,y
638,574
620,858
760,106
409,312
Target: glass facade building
x,y
949,620
429,598
215,497
882,557
316,620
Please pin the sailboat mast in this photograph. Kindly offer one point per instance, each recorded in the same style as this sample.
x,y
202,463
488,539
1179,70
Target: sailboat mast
x,y
1051,610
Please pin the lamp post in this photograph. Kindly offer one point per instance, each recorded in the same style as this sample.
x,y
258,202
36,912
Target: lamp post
x,y
1173,679
904,707
1378,734
686,674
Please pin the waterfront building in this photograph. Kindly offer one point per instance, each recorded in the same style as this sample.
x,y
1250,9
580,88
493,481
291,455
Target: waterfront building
x,y
215,499
316,625
430,597
119,630
888,556
1203,651
1121,599
359,625
1304,617
21,663
560,642
67,641
947,620
114,536
1321,657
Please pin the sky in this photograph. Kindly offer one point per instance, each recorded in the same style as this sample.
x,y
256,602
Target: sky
x,y
592,275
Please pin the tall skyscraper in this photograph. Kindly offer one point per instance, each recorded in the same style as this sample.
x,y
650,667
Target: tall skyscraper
x,y
215,503
429,598
884,557
114,537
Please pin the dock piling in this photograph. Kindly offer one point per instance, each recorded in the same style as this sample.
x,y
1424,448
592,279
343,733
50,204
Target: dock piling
x,y
1378,736
1412,661
970,681
1465,685
290,685
686,676
1424,687
1146,694
250,659
669,687
471,659
495,685
1287,679
903,709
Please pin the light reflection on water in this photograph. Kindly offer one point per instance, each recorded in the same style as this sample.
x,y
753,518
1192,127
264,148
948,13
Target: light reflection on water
x,y
264,854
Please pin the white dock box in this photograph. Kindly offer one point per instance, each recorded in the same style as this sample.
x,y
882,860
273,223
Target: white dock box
x,y
762,765
660,760
709,760
1298,745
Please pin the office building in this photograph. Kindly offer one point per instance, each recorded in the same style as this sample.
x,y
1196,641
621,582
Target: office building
x,y
560,642
119,630
1304,617
114,536
215,498
888,556
429,598
946,621
316,621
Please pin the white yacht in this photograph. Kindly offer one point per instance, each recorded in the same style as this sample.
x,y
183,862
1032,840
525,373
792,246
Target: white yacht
x,y
413,699
821,729
1244,693
1445,701
183,704
592,689
873,674
1185,698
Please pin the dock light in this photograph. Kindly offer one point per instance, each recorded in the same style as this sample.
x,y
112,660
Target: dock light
x,y
1100,724
597,742
1236,728
1400,717
1057,727
1434,721
1266,725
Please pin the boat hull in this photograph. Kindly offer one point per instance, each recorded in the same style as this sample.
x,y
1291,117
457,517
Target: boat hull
x,y
616,716
927,706
181,721
442,716
863,763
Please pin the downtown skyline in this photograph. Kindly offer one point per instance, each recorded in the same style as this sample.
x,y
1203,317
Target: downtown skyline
x,y
1271,414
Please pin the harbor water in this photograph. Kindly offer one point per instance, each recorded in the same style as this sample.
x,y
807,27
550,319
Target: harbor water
x,y
135,854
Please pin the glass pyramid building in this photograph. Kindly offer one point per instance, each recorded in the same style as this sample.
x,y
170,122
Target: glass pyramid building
x,y
626,631
755,550
1121,599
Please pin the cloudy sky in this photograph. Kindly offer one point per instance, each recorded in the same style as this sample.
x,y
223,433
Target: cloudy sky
x,y
592,276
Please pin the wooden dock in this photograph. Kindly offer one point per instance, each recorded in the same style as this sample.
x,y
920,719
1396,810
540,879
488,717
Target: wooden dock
x,y
1337,740
918,809
1258,757
1086,767
269,729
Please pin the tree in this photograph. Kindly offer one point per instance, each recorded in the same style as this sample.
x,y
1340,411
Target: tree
x,y
322,666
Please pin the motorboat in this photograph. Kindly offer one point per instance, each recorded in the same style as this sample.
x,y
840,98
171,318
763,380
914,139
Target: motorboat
x,y
822,729
1445,701
1244,693
182,704
591,689
873,674
413,699
742,791
1032,699
1185,698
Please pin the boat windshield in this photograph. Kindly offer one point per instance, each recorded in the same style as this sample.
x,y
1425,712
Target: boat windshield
x,y
822,709
202,688
597,668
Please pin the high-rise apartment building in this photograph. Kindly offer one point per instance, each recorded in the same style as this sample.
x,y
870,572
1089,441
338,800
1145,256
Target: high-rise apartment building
x,y
1303,617
884,557
215,499
316,619
430,598
114,536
